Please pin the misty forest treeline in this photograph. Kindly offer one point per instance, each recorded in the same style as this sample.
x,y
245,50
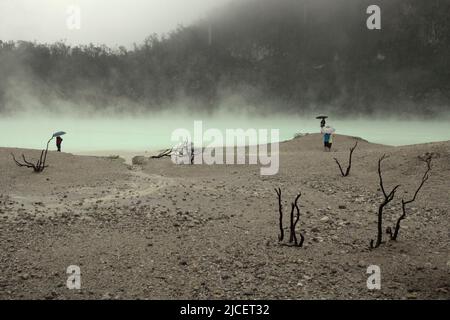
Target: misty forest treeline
x,y
295,55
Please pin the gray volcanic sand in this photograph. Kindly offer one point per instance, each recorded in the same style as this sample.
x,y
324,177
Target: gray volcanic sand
x,y
161,231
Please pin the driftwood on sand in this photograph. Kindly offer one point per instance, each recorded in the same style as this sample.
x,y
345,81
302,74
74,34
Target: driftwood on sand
x,y
164,153
182,151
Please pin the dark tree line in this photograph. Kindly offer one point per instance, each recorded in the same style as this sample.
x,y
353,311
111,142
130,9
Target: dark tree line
x,y
300,54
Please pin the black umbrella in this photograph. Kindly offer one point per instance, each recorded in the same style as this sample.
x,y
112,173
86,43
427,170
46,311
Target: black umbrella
x,y
322,117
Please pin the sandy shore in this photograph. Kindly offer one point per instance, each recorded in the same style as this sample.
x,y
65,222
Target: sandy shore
x,y
160,231
126,155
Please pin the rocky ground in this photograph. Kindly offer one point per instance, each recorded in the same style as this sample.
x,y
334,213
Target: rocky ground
x,y
160,231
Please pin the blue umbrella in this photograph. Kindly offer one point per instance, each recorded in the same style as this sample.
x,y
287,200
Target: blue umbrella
x,y
58,134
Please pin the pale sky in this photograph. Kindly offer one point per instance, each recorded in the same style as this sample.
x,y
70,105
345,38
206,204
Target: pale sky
x,y
111,22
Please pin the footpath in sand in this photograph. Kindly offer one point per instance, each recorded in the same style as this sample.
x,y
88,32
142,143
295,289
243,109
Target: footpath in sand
x,y
160,231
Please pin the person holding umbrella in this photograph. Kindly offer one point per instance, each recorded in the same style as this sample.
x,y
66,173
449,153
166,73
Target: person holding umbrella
x,y
327,132
323,122
59,140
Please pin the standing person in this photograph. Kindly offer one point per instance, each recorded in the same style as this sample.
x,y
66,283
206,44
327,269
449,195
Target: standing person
x,y
330,141
327,137
59,141
323,122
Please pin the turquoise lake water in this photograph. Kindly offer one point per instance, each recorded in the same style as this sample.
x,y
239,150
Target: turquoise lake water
x,y
154,132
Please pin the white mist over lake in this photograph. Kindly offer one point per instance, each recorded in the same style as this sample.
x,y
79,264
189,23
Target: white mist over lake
x,y
151,133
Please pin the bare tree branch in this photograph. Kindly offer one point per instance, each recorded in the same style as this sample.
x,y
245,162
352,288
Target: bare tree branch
x,y
340,167
280,210
425,178
302,238
28,163
387,199
292,235
38,167
347,172
165,153
21,164
294,219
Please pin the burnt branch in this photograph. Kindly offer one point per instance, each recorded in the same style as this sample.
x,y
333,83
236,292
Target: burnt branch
x,y
349,167
302,238
388,197
294,219
192,153
340,167
292,235
21,164
186,149
425,178
165,153
38,167
280,210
